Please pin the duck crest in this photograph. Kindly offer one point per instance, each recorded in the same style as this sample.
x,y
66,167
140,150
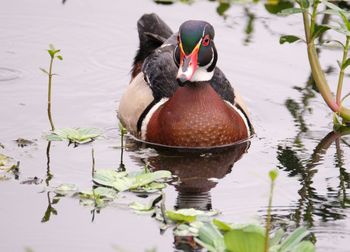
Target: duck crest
x,y
196,116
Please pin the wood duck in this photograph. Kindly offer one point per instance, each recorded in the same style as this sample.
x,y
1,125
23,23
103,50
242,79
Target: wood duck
x,y
177,96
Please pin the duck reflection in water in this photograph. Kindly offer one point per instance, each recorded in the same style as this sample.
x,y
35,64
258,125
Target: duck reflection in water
x,y
197,172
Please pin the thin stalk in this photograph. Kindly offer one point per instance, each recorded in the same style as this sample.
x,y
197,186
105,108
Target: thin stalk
x,y
93,162
318,73
49,96
342,71
268,218
313,16
316,69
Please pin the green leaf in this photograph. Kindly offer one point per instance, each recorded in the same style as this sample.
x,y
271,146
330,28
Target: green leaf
x,y
346,63
276,238
59,57
187,215
65,189
44,71
290,11
222,8
210,238
319,29
7,163
248,239
304,3
294,239
122,181
345,20
107,177
332,6
339,29
304,246
183,215
273,174
289,39
223,226
75,135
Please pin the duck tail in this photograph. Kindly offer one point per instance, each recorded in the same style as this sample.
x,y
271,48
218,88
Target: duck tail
x,y
153,31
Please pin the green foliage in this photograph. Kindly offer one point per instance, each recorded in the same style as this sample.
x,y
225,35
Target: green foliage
x,y
75,135
319,30
53,52
289,39
143,181
7,163
97,197
65,189
188,215
149,207
250,238
290,11
220,236
273,174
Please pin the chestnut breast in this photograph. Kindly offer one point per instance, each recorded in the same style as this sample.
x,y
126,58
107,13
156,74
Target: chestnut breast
x,y
196,116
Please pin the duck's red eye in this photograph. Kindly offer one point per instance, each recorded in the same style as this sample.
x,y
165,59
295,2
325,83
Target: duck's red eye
x,y
206,40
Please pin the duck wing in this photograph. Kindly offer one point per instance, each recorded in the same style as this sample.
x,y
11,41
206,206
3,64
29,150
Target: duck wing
x,y
153,31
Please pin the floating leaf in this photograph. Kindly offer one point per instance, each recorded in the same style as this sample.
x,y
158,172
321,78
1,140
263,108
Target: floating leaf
x,y
251,238
139,181
107,177
59,57
289,39
7,163
75,135
187,215
65,189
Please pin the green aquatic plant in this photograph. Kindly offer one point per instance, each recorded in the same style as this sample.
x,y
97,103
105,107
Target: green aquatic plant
x,y
139,181
216,235
75,136
313,30
54,54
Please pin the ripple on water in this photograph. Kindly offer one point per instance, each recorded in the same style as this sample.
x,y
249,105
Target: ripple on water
x,y
7,74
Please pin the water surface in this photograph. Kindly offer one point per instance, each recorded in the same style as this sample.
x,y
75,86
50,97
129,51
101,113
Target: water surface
x,y
98,41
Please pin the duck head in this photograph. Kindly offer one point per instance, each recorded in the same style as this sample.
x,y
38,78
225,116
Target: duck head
x,y
195,53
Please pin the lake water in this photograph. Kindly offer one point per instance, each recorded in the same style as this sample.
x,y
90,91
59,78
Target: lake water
x,y
98,40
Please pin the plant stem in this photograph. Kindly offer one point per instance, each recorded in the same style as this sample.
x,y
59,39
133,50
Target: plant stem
x,y
317,71
49,96
313,17
342,70
268,218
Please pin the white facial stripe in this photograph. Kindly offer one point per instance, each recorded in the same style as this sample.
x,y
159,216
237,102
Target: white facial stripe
x,y
202,74
243,116
149,116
